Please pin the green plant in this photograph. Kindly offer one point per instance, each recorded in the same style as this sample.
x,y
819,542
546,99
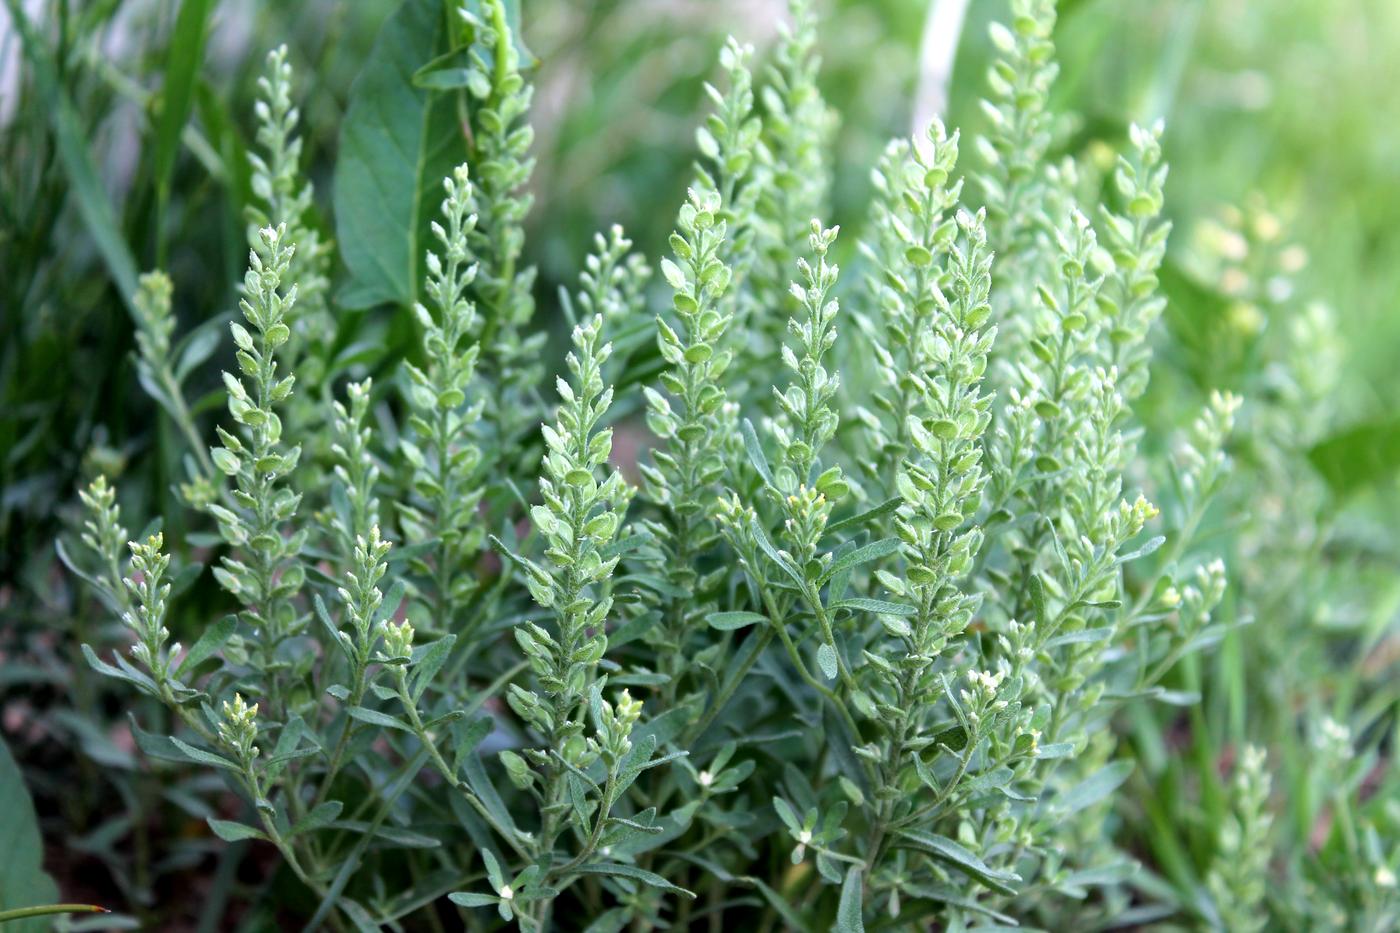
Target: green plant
x,y
858,647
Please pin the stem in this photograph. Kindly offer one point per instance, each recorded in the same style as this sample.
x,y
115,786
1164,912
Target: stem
x,y
185,421
21,913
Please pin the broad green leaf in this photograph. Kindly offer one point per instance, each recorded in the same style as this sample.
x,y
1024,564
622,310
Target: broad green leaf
x,y
397,143
23,882
1358,457
826,660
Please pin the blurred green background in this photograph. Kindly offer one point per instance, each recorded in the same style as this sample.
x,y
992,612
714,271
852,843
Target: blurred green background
x,y
1283,134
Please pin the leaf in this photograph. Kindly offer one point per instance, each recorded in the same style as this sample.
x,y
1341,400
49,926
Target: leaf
x,y
87,188
826,660
211,641
729,621
427,664
755,452
948,895
1037,594
619,870
1095,787
955,856
397,143
849,915
397,835
486,792
774,555
1082,637
202,757
376,718
787,814
201,344
790,916
448,72
319,818
862,555
866,517
154,746
229,831
874,605
1054,750
23,882
468,899
186,49
1358,457
1151,545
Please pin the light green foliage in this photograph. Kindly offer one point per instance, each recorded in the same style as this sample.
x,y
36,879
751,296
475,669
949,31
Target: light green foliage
x,y
356,474
1014,148
1239,877
284,196
794,165
268,575
890,635
1137,242
687,413
445,457
161,374
501,139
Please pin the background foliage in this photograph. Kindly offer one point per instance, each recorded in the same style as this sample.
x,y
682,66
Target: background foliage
x,y
124,132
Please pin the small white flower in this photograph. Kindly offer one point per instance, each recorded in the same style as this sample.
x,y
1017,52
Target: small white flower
x,y
706,779
1385,878
804,837
506,893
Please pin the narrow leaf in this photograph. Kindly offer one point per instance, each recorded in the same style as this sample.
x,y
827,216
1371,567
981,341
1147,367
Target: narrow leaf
x,y
186,50
874,605
729,621
864,518
955,856
229,831
374,717
862,555
211,641
69,135
755,452
849,915
619,870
